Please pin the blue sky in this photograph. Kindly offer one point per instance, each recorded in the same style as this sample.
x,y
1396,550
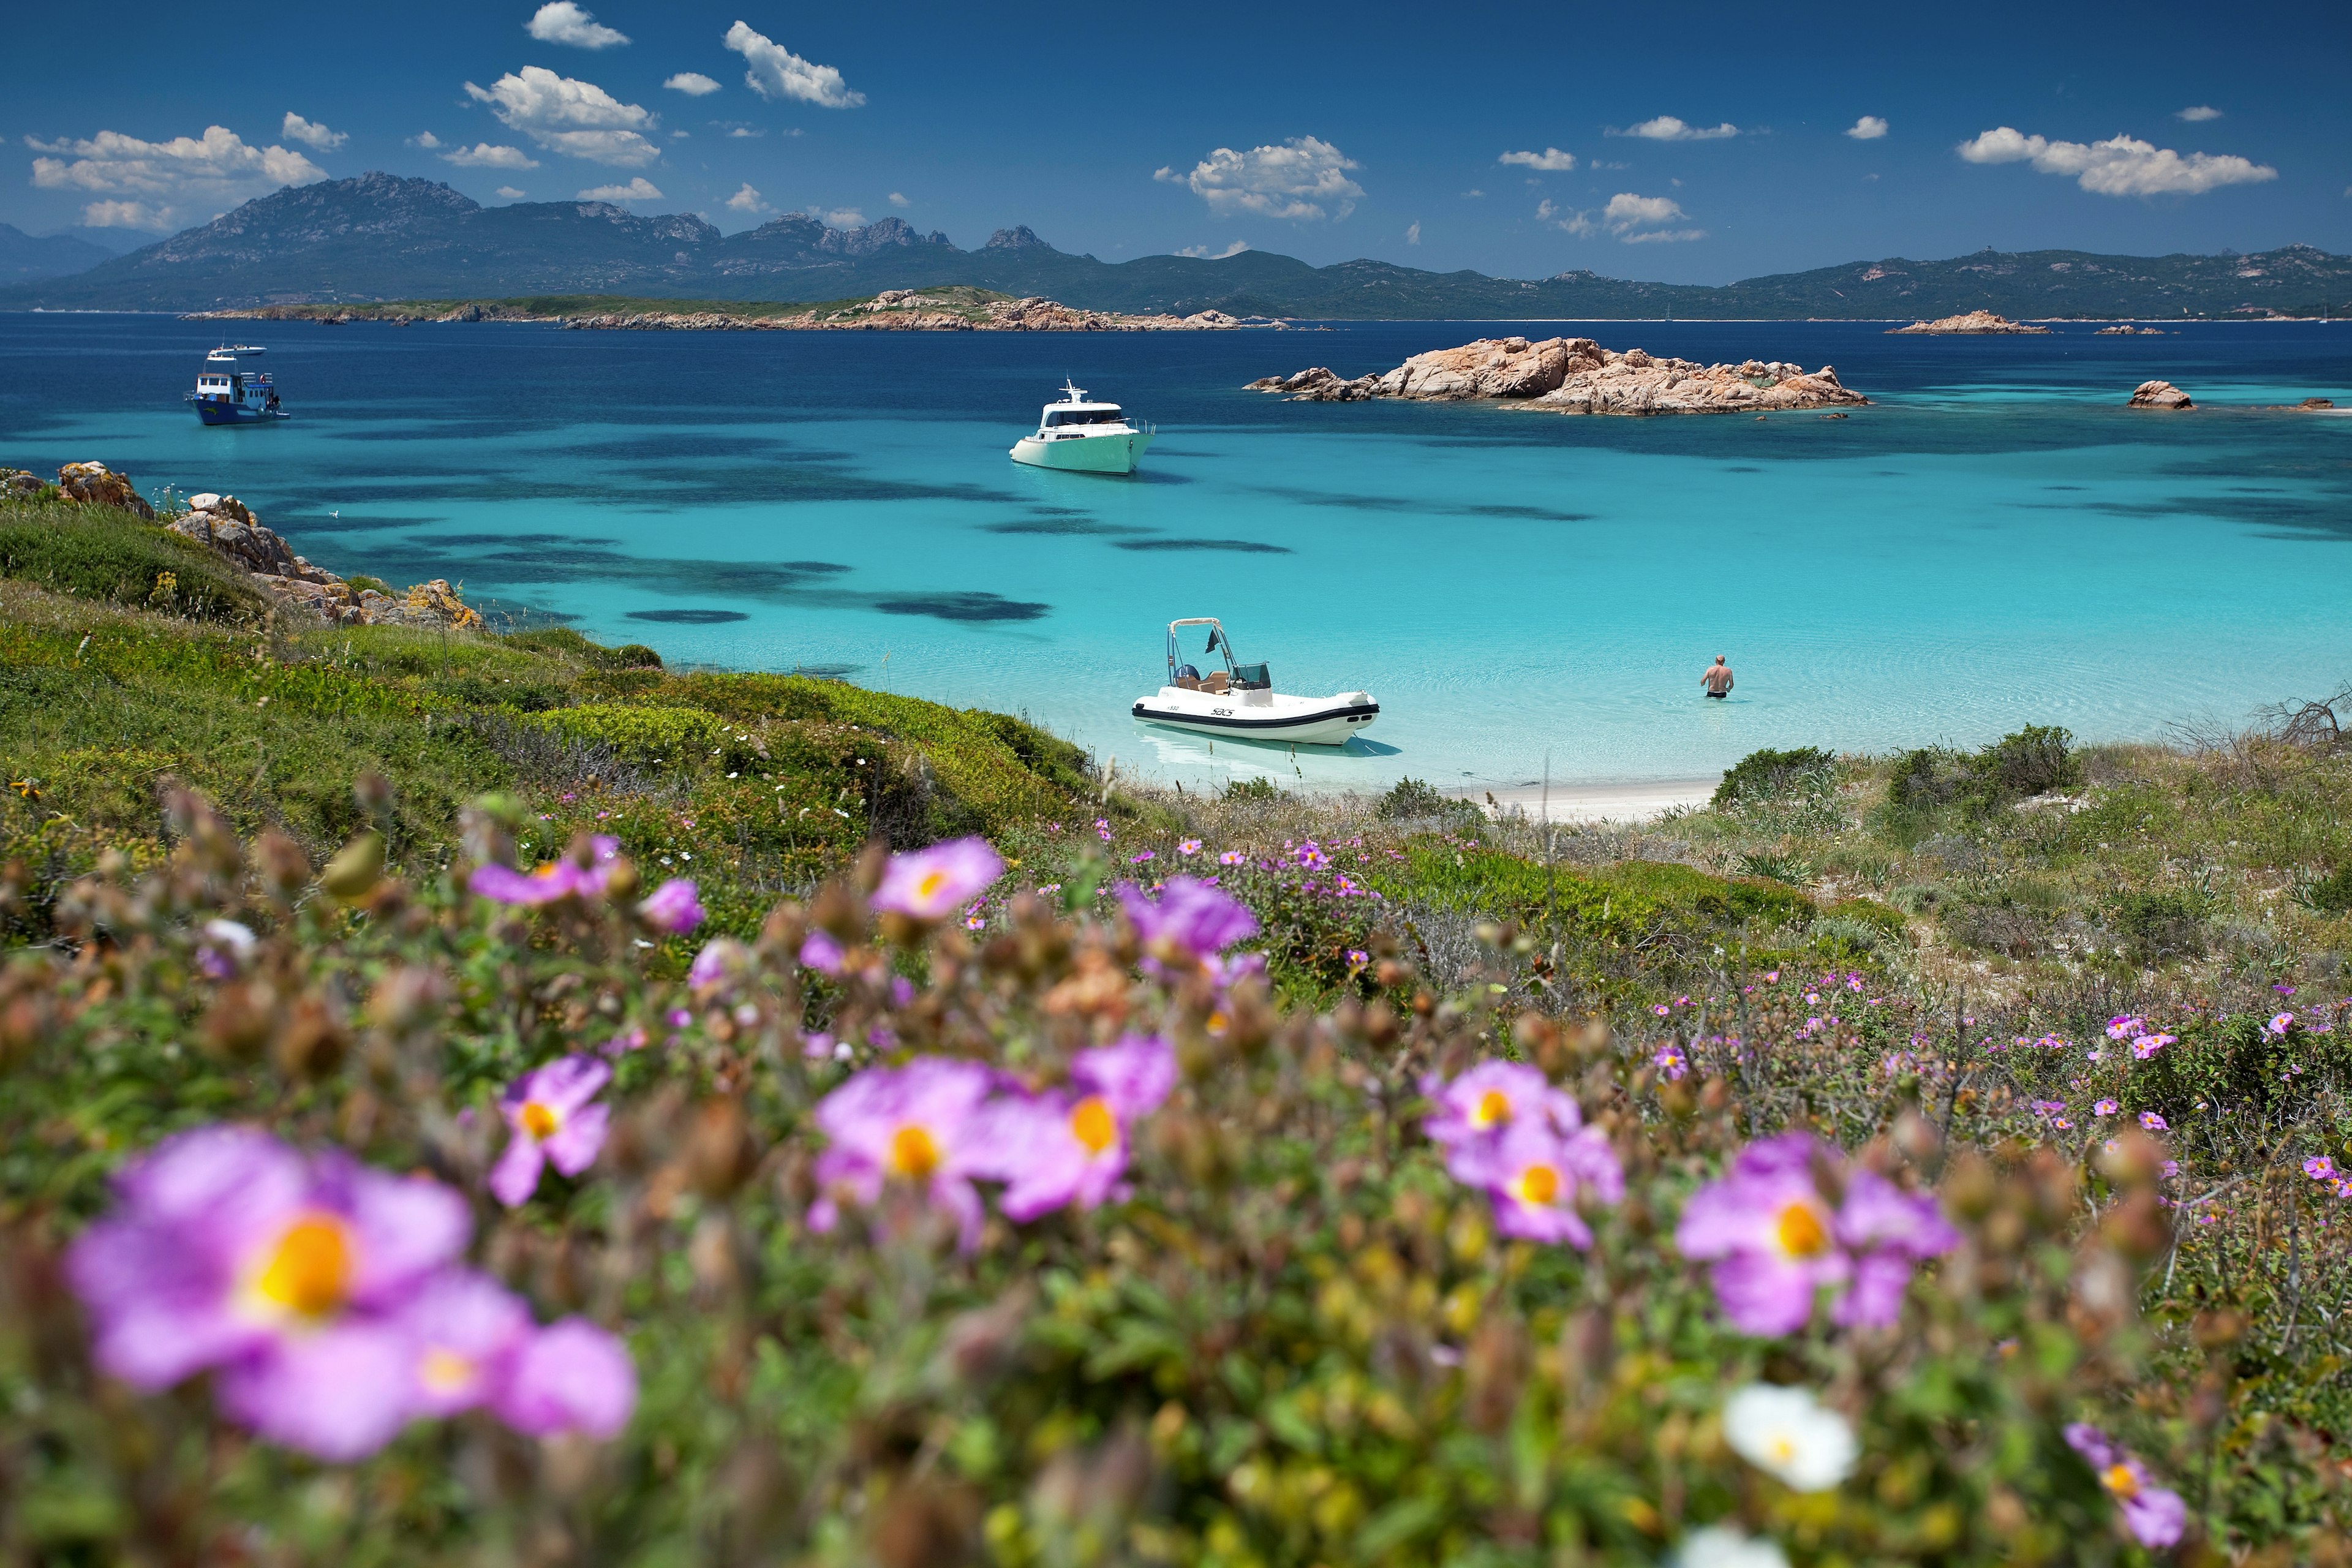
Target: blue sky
x,y
1696,143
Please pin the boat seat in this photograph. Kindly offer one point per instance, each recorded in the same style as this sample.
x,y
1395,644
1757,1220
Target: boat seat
x,y
1216,680
1186,683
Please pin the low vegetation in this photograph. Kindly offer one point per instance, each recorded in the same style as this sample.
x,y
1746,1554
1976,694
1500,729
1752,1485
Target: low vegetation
x,y
1927,1159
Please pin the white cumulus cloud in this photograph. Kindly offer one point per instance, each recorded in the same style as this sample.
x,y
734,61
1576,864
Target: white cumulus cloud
x,y
311,133
1235,248
747,200
1563,218
123,214
1869,128
2119,166
424,139
637,190
1302,178
840,218
1663,236
1641,220
483,155
1551,160
1666,128
561,22
217,167
2198,113
777,72
694,84
899,201
577,119
1412,234
508,192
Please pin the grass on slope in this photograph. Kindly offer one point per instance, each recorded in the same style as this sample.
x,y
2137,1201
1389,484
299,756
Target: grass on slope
x,y
753,784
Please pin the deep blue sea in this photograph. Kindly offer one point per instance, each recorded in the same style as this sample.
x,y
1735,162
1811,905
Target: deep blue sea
x,y
1996,542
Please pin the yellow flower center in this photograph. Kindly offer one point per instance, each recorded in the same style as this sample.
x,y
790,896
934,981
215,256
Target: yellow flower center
x,y
1800,1231
1218,1023
539,1120
1093,1125
1493,1106
2121,1481
929,888
914,1154
1782,1447
309,1271
1538,1184
445,1371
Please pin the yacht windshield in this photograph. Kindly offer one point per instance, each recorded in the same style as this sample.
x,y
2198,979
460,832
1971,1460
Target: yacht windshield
x,y
1252,677
1055,417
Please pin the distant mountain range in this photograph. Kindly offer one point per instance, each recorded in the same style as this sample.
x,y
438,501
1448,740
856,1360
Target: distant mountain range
x,y
380,236
25,257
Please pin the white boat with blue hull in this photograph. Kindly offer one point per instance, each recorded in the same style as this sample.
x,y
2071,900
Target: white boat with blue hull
x,y
1239,700
1083,438
227,392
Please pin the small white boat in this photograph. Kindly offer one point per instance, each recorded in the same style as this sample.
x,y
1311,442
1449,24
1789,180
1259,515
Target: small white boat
x,y
1240,700
1084,437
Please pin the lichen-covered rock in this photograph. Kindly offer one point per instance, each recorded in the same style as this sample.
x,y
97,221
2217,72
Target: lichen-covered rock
x,y
2159,394
1577,375
18,483
92,484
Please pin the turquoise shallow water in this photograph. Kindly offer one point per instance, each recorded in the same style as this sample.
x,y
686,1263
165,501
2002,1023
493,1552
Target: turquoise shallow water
x,y
1996,542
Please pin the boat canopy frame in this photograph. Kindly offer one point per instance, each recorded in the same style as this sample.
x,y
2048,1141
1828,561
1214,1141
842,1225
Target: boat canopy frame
x,y
1240,677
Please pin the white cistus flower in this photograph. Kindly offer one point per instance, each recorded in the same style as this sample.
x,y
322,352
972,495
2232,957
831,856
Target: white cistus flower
x,y
1786,1433
1721,1546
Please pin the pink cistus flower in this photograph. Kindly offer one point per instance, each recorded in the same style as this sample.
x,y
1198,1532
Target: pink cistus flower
x,y
1070,1146
2278,1026
1506,1129
932,884
285,1274
919,1124
723,962
2153,1122
1187,927
552,1119
551,881
1533,1176
2105,1108
1775,1238
2155,1515
2319,1168
674,907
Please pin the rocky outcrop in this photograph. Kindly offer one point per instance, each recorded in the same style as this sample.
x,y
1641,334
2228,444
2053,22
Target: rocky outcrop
x,y
2159,394
93,485
1577,375
1977,323
2126,329
229,527
2316,403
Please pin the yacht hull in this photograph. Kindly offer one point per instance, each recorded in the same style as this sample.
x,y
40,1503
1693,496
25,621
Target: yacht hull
x,y
1085,454
1299,721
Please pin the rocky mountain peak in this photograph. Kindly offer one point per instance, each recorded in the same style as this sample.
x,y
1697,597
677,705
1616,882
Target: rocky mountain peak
x,y
1021,236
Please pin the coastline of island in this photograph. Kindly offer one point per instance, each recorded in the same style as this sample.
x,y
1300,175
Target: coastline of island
x,y
949,308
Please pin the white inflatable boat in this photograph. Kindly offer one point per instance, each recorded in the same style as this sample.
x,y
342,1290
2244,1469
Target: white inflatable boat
x,y
1240,701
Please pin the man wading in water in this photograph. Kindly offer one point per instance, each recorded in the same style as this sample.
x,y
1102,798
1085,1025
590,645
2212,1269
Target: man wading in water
x,y
1718,678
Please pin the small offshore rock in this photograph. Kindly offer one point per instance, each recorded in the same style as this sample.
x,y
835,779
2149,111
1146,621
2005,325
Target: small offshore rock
x,y
2159,394
2316,403
1971,323
2126,329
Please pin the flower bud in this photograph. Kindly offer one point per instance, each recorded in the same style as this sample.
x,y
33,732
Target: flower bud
x,y
356,869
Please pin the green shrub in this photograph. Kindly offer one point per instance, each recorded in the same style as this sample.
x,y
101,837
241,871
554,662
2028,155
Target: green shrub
x,y
363,583
1257,788
2034,760
2160,925
634,656
106,554
1928,776
2331,894
1768,773
1412,800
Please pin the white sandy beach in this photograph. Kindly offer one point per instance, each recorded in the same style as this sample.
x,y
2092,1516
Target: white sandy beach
x,y
1602,802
